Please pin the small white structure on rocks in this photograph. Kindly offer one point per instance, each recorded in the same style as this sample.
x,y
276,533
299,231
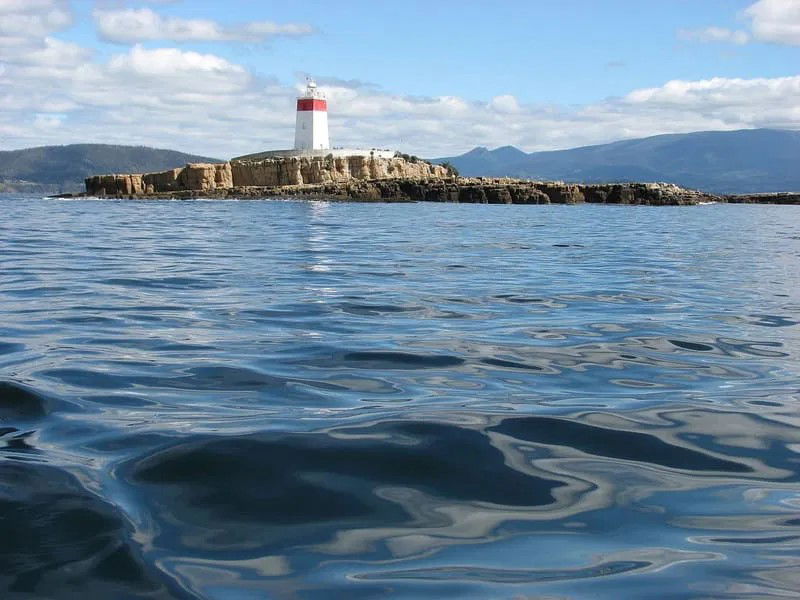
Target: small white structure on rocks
x,y
311,132
311,128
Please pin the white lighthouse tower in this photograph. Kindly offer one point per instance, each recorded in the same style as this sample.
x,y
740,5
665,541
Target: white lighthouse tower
x,y
311,129
311,133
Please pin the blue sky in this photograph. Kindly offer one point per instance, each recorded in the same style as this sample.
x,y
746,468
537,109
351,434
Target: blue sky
x,y
430,77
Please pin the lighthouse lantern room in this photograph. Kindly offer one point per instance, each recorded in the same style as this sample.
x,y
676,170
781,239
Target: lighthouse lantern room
x,y
311,129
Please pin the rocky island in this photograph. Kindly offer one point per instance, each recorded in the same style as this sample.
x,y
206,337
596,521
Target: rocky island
x,y
364,178
312,169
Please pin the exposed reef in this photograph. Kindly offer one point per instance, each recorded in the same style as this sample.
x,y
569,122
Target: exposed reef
x,y
490,191
776,198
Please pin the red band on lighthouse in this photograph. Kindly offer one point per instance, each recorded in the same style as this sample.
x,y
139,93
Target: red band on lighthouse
x,y
312,104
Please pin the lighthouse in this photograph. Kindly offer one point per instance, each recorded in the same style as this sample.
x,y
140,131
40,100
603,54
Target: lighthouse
x,y
311,128
311,133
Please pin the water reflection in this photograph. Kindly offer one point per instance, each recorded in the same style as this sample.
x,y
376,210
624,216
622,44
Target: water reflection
x,y
391,400
410,491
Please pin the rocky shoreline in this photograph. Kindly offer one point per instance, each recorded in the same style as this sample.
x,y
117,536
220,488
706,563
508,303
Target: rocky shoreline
x,y
366,178
454,190
457,190
787,198
477,190
398,179
480,191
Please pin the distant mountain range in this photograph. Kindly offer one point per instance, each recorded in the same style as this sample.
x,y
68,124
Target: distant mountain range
x,y
724,162
55,169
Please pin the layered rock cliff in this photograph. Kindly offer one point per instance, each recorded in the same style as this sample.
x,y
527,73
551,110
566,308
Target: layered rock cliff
x,y
365,178
265,172
197,176
318,170
466,191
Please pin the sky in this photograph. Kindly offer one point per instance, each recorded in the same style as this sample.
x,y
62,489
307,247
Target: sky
x,y
219,77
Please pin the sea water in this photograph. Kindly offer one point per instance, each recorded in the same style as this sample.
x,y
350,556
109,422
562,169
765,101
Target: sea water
x,y
249,399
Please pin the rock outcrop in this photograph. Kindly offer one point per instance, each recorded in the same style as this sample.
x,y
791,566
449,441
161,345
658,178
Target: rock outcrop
x,y
791,198
264,172
196,176
465,191
364,178
115,185
320,170
505,191
654,194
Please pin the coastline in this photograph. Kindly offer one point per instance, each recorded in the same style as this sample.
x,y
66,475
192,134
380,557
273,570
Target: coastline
x,y
401,178
476,190
783,198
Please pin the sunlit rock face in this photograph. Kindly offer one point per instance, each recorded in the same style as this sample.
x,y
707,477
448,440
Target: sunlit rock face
x,y
267,172
365,178
315,170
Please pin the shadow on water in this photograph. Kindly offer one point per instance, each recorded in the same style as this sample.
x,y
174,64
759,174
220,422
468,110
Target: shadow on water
x,y
61,541
19,402
279,490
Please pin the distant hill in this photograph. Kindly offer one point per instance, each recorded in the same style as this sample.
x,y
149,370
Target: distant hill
x,y
54,169
481,160
745,161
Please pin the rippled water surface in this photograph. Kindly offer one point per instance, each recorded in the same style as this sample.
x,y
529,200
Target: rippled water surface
x,y
310,400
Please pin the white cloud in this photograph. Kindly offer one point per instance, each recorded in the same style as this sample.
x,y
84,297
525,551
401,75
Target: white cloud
x,y
776,21
172,75
728,103
506,104
26,22
42,16
137,25
54,52
168,62
54,92
719,92
714,34
205,104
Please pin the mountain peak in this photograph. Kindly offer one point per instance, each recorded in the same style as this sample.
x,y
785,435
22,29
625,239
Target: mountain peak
x,y
511,152
477,150
744,161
